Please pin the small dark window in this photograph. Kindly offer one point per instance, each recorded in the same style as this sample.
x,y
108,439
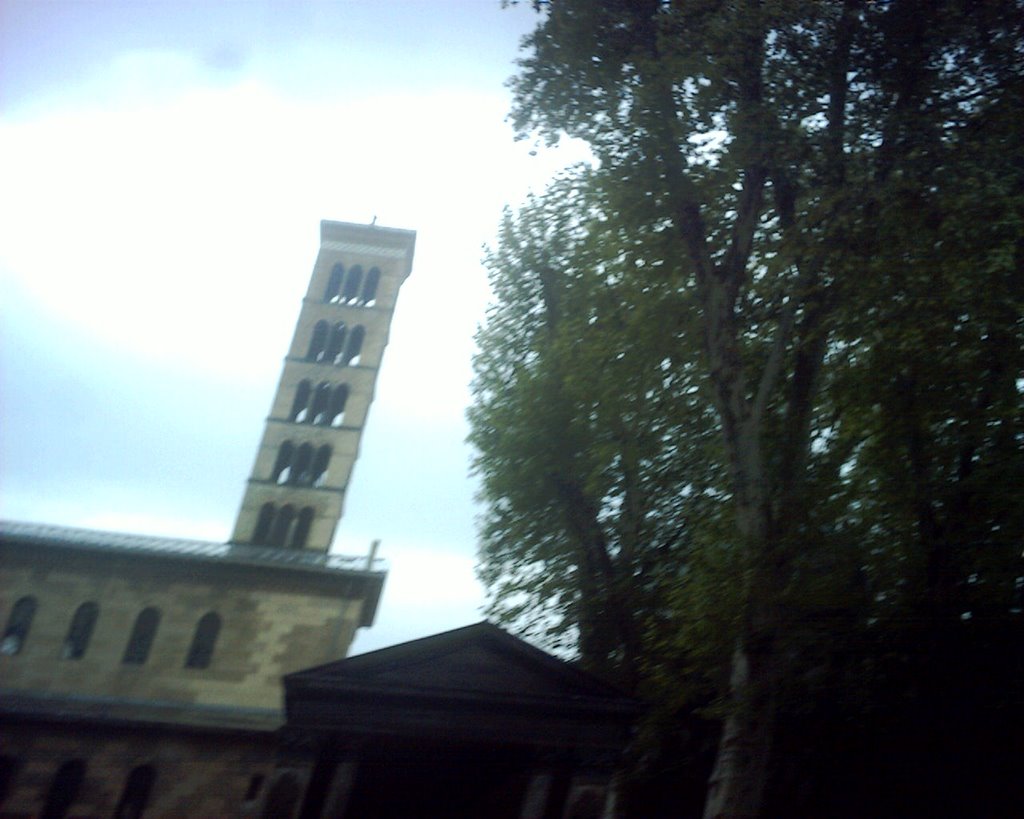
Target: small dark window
x,y
80,631
334,283
259,537
255,785
355,278
282,524
336,344
320,463
136,792
370,287
355,346
18,624
201,651
338,400
283,797
64,789
321,403
301,403
302,527
282,466
141,640
301,474
317,342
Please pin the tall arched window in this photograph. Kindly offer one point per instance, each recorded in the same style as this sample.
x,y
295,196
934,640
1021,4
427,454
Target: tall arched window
x,y
80,631
335,344
142,636
283,797
282,523
317,342
334,284
370,287
355,278
355,346
282,466
136,792
201,651
321,403
64,787
320,463
301,403
9,767
338,400
262,531
301,474
18,624
302,527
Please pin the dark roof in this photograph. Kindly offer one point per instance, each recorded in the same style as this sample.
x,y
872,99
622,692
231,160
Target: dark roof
x,y
338,572
475,681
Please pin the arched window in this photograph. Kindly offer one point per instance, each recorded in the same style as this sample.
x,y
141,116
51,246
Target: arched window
x,y
301,476
334,283
282,523
64,789
317,342
255,786
201,651
262,531
319,470
336,343
370,287
18,624
141,639
80,631
282,466
355,278
136,792
355,346
283,797
338,400
301,403
321,403
9,767
302,528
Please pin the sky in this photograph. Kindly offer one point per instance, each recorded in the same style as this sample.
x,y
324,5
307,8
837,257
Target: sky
x,y
164,167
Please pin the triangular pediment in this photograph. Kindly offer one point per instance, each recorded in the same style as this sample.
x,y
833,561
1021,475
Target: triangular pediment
x,y
480,659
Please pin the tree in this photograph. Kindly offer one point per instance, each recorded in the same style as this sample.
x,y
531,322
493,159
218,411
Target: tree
x,y
775,149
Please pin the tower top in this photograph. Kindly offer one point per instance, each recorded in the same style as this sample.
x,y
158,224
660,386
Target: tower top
x,y
373,239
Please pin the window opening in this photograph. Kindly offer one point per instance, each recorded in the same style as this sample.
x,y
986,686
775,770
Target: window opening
x,y
338,400
282,798
80,631
9,767
301,402
282,523
319,471
336,343
355,278
259,536
302,528
201,651
301,475
141,640
255,785
321,402
317,342
136,792
18,624
355,346
282,466
334,283
370,287
64,789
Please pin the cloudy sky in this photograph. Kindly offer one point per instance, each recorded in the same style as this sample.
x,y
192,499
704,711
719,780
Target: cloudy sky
x,y
165,167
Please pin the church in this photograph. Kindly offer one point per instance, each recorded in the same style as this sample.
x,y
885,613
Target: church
x,y
150,676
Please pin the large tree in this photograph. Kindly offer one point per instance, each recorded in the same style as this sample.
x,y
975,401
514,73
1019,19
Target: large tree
x,y
804,171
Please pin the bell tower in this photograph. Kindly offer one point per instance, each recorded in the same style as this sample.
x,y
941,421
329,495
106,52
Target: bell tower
x,y
295,495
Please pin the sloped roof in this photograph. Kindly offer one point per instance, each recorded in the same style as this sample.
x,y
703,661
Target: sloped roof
x,y
474,681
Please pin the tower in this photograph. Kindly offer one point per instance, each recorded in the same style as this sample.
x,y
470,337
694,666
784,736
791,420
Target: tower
x,y
295,495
